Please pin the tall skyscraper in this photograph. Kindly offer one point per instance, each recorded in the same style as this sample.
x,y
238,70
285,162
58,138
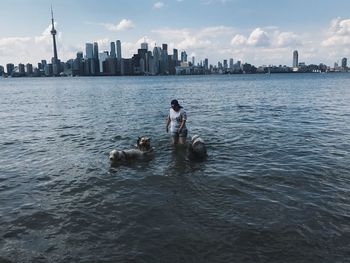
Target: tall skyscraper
x,y
175,55
53,33
9,68
206,63
225,64
295,59
183,56
156,59
231,63
56,64
144,45
344,63
96,61
95,50
119,50
89,50
113,54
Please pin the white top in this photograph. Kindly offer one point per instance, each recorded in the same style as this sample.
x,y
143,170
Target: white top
x,y
176,118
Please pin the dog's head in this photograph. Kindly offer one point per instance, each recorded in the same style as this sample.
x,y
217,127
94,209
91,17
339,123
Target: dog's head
x,y
115,156
194,137
197,147
144,143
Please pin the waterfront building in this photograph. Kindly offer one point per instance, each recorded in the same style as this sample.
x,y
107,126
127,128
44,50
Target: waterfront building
x,y
175,55
184,68
183,56
78,65
56,63
110,65
150,63
156,58
48,70
80,55
95,58
231,64
40,66
171,65
29,68
102,57
119,50
225,64
127,67
295,59
2,71
344,62
9,68
144,45
21,69
336,66
238,65
89,50
43,63
164,67
206,64
113,54
140,61
193,61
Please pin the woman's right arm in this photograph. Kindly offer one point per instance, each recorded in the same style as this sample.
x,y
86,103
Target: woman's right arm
x,y
167,124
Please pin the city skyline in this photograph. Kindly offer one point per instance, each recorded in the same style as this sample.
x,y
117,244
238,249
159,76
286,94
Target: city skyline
x,y
218,30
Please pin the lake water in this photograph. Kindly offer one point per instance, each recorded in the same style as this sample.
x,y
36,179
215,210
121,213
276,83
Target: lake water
x,y
274,188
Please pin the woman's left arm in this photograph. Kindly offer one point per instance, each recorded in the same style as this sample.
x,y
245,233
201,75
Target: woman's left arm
x,y
183,122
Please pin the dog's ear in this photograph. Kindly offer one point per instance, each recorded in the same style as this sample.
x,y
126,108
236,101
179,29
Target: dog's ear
x,y
138,140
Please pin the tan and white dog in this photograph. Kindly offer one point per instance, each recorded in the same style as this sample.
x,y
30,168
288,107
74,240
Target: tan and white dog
x,y
122,156
197,147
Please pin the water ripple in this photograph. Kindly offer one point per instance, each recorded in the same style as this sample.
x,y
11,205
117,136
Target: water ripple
x,y
274,187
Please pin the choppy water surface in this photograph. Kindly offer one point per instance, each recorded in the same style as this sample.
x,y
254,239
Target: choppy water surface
x,y
275,187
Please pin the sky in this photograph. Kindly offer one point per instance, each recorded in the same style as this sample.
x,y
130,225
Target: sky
x,y
257,32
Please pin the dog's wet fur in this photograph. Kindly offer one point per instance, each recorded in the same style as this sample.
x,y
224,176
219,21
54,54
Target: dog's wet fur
x,y
122,156
197,148
144,144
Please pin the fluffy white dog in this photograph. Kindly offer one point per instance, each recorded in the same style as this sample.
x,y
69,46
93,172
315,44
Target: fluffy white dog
x,y
125,155
143,149
197,147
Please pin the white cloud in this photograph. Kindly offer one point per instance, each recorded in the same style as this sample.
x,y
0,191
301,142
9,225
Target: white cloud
x,y
103,44
124,24
338,33
267,37
286,39
33,49
266,44
215,31
130,48
239,40
184,39
24,49
158,5
259,38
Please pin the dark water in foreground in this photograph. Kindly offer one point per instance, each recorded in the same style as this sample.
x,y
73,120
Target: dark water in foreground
x,y
275,187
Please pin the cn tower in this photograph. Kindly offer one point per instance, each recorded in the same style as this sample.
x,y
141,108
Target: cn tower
x,y
53,33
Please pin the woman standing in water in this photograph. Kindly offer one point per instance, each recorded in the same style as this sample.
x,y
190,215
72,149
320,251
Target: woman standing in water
x,y
177,120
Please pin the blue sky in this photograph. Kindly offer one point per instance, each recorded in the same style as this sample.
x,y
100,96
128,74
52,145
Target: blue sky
x,y
258,32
